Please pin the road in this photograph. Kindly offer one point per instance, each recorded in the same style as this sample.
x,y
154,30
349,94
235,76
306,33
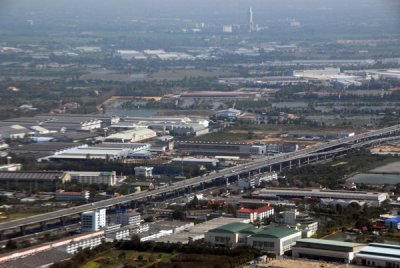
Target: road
x,y
355,141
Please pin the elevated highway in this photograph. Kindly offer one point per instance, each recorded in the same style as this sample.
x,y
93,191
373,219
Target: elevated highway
x,y
340,146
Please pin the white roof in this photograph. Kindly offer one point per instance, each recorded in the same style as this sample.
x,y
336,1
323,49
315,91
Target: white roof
x,y
380,251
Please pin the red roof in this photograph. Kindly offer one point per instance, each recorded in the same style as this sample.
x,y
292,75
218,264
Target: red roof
x,y
263,209
245,210
258,210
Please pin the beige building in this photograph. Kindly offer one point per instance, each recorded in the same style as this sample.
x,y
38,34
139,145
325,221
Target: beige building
x,y
87,177
130,136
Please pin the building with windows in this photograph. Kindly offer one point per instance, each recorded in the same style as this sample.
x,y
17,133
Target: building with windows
x,y
328,250
62,195
109,178
276,239
379,255
92,221
126,218
255,214
76,245
144,172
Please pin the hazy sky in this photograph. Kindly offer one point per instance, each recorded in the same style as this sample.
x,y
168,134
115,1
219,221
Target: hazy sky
x,y
385,13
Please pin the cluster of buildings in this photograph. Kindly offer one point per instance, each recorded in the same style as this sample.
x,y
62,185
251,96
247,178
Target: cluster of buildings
x,y
148,54
281,239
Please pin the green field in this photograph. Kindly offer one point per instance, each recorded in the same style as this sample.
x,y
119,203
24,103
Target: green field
x,y
115,258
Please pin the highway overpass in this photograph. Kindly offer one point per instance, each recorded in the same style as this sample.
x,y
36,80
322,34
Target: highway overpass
x,y
326,149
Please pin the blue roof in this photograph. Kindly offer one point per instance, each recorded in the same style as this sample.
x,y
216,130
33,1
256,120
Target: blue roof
x,y
394,219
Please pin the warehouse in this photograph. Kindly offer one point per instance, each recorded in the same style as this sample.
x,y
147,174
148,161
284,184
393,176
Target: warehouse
x,y
328,250
379,255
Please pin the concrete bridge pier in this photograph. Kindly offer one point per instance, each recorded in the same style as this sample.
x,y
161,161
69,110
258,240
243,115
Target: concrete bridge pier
x,y
43,226
63,220
280,167
290,164
308,160
270,169
299,163
23,230
2,236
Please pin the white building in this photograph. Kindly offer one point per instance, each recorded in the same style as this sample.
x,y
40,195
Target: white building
x,y
74,246
379,255
255,214
303,221
144,172
130,136
275,239
93,221
109,178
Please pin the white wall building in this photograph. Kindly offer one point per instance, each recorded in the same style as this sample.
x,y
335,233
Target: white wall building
x,y
92,221
109,178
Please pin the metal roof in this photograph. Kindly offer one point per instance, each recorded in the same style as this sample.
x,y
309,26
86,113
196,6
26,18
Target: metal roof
x,y
275,232
234,227
330,242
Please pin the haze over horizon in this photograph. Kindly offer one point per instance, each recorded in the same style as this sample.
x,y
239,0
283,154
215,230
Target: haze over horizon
x,y
382,15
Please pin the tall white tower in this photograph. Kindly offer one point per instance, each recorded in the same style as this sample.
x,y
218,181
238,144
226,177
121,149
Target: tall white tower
x,y
251,22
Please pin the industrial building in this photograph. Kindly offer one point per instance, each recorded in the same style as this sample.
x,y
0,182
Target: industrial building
x,y
318,193
44,177
328,250
177,126
83,196
211,162
63,122
131,136
219,95
110,151
276,239
379,255
231,149
92,177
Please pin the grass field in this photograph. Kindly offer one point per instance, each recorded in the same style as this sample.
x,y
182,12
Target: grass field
x,y
116,258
